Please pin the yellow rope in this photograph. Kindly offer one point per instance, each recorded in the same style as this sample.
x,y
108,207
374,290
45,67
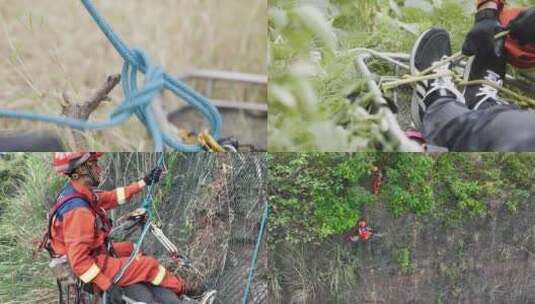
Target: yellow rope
x,y
520,100
408,79
209,143
424,75
455,57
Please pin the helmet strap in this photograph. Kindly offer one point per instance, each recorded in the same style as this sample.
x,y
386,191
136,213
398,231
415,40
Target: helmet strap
x,y
85,170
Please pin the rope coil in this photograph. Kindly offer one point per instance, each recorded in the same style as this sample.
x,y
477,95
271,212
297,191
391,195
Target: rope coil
x,y
137,100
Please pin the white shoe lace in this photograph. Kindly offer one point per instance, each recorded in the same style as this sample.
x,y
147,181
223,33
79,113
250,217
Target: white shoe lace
x,y
445,83
487,91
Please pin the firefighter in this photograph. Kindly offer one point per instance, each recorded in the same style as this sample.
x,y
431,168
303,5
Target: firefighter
x,y
377,180
79,228
361,232
364,232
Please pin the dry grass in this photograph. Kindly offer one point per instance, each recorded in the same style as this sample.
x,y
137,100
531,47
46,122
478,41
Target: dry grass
x,y
49,46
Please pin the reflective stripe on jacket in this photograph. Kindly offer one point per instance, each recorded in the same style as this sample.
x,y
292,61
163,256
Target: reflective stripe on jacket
x,y
81,226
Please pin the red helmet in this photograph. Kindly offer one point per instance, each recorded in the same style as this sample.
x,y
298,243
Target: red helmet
x,y
66,162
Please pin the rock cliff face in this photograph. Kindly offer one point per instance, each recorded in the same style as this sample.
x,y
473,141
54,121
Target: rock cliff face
x,y
417,260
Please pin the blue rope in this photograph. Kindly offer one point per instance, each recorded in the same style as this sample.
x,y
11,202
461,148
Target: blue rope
x,y
247,291
137,100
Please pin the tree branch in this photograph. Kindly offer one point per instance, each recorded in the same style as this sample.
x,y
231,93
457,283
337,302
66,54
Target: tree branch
x,y
102,94
84,110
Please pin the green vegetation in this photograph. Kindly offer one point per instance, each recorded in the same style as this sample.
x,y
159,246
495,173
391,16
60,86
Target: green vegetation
x,y
315,195
312,67
404,260
22,201
450,225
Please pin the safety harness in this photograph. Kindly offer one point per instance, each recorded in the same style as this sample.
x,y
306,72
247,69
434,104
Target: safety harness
x,y
142,216
59,265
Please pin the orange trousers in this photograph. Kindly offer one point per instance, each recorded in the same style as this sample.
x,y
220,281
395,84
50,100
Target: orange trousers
x,y
144,269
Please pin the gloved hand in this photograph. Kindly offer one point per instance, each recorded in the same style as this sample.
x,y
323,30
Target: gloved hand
x,y
480,40
523,27
153,176
115,294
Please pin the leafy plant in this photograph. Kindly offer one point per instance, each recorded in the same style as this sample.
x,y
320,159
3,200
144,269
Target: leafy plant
x,y
312,69
316,195
404,260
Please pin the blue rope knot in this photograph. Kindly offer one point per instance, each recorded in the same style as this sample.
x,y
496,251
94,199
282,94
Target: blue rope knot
x,y
137,100
181,90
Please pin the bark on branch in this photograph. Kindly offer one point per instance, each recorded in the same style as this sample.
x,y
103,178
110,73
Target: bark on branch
x,y
84,110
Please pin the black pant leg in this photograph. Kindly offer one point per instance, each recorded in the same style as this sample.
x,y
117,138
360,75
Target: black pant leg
x,y
451,124
140,292
164,295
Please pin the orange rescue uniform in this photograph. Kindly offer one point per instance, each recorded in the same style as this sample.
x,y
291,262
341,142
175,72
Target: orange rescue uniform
x,y
81,235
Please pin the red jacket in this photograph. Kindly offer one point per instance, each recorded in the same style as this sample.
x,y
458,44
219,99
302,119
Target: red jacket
x,y
364,233
520,56
79,229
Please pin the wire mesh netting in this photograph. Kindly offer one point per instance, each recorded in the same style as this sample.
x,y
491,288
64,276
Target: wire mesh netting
x,y
211,207
414,261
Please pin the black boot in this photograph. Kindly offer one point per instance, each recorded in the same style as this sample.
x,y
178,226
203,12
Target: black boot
x,y
492,69
431,47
